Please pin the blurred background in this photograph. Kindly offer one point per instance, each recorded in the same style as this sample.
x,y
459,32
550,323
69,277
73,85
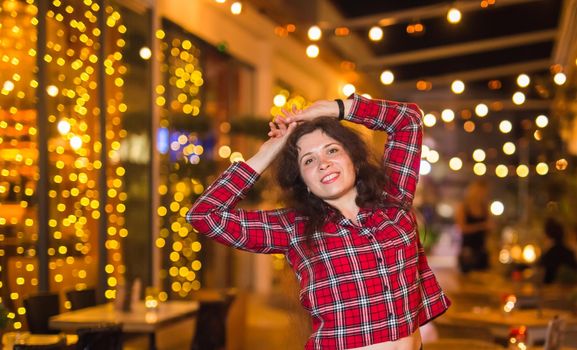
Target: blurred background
x,y
115,115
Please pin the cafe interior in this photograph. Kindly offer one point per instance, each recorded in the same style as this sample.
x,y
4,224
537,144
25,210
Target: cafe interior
x,y
115,115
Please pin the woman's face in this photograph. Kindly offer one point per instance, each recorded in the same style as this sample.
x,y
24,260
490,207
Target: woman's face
x,y
326,168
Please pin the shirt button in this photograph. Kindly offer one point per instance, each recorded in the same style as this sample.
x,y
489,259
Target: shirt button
x,y
380,260
370,236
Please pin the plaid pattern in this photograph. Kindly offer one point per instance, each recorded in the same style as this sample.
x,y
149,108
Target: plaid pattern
x,y
362,285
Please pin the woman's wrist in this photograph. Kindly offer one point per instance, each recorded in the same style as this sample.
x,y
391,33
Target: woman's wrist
x,y
341,108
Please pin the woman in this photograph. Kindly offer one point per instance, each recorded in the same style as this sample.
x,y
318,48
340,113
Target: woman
x,y
474,222
348,233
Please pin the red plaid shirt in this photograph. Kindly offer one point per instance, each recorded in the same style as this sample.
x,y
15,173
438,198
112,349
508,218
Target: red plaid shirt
x,y
364,284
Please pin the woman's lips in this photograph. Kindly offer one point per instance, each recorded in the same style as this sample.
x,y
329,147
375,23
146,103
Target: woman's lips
x,y
330,178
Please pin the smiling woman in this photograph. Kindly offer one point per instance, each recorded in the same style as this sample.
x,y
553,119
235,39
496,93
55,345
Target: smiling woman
x,y
347,231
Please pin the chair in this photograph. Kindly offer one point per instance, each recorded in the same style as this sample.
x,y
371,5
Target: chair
x,y
39,308
80,299
210,333
102,337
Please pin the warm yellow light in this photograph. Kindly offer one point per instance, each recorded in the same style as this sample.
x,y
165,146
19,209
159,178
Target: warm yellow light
x,y
505,126
376,33
458,87
542,121
522,170
455,163
236,157
315,33
425,168
560,78
497,208
561,164
509,148
425,151
236,8
8,86
313,51
454,16
52,90
145,53
224,151
481,110
523,80
447,115
63,127
387,77
518,98
479,169
279,100
433,156
349,89
429,120
501,170
479,155
542,168
76,143
529,253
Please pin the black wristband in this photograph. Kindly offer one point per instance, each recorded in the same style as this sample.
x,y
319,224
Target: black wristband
x,y
341,105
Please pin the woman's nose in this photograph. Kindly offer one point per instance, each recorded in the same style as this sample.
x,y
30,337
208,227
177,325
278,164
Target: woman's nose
x,y
325,163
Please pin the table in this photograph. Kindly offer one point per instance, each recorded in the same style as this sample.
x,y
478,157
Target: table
x,y
500,323
138,320
11,338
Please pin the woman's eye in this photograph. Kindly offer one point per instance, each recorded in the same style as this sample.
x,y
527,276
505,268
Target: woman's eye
x,y
333,150
307,161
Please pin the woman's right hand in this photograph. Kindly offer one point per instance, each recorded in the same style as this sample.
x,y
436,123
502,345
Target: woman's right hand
x,y
268,151
321,108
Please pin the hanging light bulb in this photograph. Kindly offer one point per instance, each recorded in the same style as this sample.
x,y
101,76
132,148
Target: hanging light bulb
x,y
454,16
315,33
387,77
542,121
455,163
458,87
560,78
481,110
447,115
429,119
518,98
313,51
376,33
236,8
561,164
349,89
523,80
505,126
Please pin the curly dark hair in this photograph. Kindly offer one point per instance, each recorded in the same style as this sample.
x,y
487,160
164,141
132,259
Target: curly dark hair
x,y
371,179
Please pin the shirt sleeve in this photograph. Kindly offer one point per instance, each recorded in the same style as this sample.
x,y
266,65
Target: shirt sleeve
x,y
213,214
402,155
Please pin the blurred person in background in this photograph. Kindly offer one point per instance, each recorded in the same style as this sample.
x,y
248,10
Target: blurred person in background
x,y
348,230
473,219
558,261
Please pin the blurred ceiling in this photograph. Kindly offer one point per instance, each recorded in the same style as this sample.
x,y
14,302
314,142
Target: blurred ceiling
x,y
495,40
493,44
